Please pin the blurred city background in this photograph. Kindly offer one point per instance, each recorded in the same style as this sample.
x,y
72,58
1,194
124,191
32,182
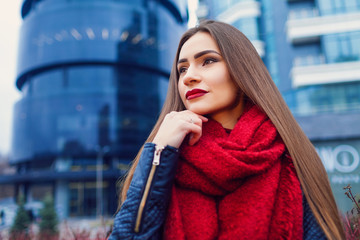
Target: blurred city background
x,y
91,77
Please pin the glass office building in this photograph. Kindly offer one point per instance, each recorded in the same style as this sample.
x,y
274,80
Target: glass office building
x,y
93,75
312,51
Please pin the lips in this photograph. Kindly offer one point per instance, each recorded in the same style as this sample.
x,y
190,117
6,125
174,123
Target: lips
x,y
195,93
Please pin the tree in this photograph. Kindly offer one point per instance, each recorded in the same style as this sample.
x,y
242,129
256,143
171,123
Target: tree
x,y
22,221
48,219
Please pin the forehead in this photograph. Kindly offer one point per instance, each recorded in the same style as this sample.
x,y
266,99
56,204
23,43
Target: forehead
x,y
199,42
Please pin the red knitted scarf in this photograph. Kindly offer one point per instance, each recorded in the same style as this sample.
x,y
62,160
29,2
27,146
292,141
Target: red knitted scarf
x,y
240,185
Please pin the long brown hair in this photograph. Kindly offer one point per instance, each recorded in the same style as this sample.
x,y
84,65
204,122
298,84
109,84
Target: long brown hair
x,y
251,76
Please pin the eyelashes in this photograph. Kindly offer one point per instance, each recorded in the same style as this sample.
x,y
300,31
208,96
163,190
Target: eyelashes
x,y
209,61
182,70
206,61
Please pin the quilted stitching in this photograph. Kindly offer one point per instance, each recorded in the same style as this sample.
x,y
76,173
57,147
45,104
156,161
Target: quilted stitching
x,y
312,230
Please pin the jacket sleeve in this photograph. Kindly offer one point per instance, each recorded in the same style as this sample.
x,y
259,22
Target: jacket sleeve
x,y
312,230
154,213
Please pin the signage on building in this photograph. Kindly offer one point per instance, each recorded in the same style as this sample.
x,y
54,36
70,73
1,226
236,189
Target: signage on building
x,y
342,163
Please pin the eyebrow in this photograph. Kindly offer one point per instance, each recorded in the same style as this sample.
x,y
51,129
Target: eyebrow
x,y
199,54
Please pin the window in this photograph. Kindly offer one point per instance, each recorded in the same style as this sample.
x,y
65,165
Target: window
x,y
341,47
38,192
91,79
330,7
83,201
249,27
325,98
47,84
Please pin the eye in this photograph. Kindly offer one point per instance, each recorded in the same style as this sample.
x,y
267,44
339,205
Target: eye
x,y
209,61
182,70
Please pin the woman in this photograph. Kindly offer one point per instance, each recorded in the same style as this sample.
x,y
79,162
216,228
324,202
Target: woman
x,y
226,159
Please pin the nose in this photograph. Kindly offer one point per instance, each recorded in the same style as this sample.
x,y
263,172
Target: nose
x,y
191,76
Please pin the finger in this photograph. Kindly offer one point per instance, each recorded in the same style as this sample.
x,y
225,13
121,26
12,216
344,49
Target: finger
x,y
196,116
197,119
191,135
204,119
195,134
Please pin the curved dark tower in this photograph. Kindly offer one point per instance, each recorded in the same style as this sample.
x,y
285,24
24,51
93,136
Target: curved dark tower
x,y
93,75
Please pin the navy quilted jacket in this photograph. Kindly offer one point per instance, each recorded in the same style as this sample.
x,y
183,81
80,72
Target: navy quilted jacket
x,y
143,213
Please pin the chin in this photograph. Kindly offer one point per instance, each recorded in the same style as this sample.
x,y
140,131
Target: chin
x,y
198,110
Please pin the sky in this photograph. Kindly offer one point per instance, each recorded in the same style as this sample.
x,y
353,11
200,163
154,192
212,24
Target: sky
x,y
10,21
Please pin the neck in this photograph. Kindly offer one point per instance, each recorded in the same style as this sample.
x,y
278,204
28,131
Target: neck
x,y
229,118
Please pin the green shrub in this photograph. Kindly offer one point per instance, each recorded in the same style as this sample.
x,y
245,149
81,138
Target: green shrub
x,y
48,219
20,226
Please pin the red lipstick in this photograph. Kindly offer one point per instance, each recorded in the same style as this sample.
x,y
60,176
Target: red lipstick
x,y
195,93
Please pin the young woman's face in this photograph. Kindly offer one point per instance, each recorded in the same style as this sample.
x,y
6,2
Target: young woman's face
x,y
205,86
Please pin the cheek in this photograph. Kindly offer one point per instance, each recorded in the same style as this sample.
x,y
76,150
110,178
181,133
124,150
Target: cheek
x,y
219,77
234,96
228,87
224,85
181,92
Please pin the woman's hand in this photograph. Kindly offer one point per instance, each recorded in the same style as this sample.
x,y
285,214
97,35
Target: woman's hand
x,y
177,125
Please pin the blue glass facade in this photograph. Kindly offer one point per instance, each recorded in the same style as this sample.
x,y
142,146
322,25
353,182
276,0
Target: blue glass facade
x,y
93,76
269,37
255,19
312,51
330,7
248,22
332,47
341,47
